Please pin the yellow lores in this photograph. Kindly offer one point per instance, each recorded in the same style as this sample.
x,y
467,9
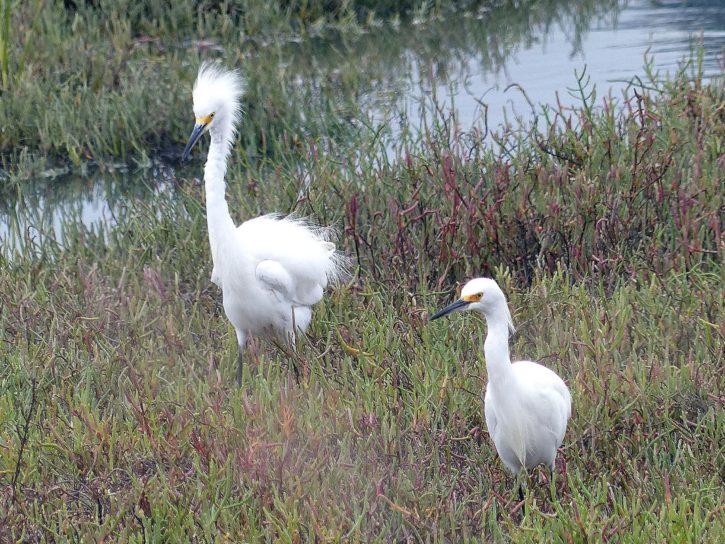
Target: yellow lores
x,y
204,120
475,297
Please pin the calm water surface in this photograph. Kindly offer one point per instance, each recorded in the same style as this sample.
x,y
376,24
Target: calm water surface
x,y
606,44
472,63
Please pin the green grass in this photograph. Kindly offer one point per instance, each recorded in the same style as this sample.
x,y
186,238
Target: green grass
x,y
118,417
135,431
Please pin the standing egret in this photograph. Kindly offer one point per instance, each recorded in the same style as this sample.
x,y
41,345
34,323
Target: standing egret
x,y
527,406
271,269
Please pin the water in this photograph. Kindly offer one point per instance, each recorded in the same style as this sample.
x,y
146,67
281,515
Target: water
x,y
29,219
542,67
475,63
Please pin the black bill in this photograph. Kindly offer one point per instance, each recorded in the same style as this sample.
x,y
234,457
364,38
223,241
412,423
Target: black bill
x,y
195,135
457,305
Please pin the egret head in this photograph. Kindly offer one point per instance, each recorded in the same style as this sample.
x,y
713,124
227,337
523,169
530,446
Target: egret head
x,y
483,295
217,93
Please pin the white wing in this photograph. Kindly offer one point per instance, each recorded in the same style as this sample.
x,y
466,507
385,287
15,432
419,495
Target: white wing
x,y
277,279
293,259
273,276
547,397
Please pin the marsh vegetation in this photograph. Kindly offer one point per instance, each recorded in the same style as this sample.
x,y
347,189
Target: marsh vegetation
x,y
603,223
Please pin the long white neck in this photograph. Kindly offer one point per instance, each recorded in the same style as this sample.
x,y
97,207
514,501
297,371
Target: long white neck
x,y
219,221
496,348
502,381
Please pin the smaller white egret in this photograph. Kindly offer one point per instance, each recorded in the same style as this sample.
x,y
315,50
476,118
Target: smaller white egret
x,y
271,269
526,405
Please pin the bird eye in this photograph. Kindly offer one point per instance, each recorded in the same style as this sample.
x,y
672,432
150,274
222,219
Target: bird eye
x,y
211,115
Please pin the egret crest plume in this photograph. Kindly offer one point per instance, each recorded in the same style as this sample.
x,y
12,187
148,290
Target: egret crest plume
x,y
214,83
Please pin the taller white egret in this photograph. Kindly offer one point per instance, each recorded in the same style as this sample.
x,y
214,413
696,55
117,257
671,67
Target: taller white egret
x,y
526,405
271,269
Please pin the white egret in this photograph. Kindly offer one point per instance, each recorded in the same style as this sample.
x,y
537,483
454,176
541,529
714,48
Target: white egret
x,y
526,405
271,269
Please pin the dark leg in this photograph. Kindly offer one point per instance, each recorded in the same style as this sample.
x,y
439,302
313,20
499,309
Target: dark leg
x,y
296,370
241,341
552,482
522,499
240,366
521,478
292,339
